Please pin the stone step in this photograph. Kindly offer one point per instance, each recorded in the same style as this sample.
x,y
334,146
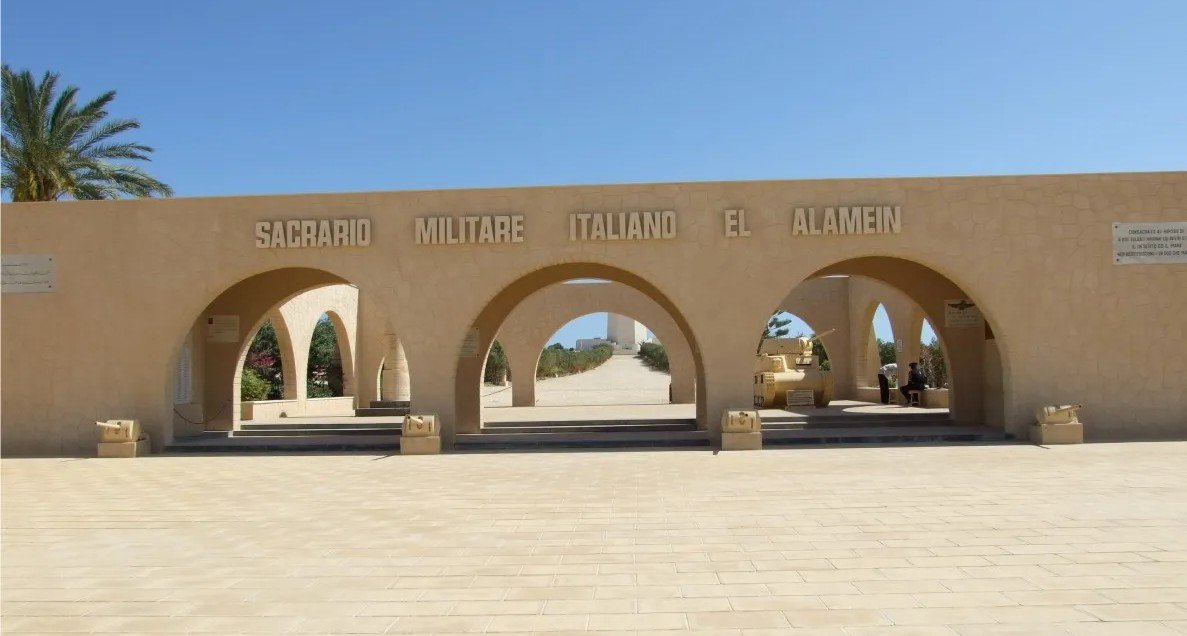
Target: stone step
x,y
297,426
567,424
886,435
889,422
390,404
578,440
382,411
221,443
872,418
312,431
592,427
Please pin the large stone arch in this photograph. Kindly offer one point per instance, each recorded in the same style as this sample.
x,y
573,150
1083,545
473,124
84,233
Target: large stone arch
x,y
965,347
294,319
529,326
251,299
481,334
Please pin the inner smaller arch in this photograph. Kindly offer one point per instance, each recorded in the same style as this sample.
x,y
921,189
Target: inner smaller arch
x,y
592,360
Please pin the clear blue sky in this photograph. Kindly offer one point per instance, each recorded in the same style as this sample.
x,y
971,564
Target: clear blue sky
x,y
266,97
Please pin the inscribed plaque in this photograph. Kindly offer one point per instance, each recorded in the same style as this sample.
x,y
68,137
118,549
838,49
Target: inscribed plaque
x,y
961,313
222,328
1149,243
470,345
27,273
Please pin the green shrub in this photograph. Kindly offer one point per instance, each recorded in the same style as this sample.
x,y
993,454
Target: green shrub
x,y
557,361
252,387
654,356
496,365
317,390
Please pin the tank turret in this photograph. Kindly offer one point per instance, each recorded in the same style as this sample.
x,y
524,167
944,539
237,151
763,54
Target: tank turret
x,y
787,364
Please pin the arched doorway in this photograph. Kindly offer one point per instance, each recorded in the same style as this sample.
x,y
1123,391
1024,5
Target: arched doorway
x,y
978,381
293,301
553,367
487,324
530,327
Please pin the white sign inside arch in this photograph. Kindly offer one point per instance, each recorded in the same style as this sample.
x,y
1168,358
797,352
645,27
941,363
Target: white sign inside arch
x,y
961,312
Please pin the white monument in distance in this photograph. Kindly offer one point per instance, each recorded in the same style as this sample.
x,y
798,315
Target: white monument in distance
x,y
625,334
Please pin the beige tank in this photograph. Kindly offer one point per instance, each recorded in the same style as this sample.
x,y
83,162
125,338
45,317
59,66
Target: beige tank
x,y
786,364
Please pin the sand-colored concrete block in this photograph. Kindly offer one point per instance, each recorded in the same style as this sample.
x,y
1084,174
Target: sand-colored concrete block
x,y
739,421
741,441
935,399
112,431
420,425
420,445
1048,434
138,448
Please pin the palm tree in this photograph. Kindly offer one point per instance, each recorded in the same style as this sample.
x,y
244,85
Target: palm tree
x,y
54,149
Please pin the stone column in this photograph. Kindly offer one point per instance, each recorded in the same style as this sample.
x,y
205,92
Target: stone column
x,y
523,389
395,372
682,369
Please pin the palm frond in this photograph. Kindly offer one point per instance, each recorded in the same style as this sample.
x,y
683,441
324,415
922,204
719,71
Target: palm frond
x,y
53,148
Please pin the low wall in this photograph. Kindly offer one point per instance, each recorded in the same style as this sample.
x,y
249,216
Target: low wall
x,y
932,398
935,399
313,407
868,394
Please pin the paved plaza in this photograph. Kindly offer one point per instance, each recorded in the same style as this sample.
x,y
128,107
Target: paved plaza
x,y
997,539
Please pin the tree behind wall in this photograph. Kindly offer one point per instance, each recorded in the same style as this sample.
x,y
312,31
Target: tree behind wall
x,y
931,361
264,363
325,361
496,369
886,352
54,148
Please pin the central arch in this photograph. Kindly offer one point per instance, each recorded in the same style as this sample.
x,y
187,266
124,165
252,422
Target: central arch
x,y
468,377
526,331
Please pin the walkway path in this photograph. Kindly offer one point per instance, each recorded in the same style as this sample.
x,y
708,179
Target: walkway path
x,y
622,379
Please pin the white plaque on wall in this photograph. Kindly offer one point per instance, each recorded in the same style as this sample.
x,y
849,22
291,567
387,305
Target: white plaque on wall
x,y
222,328
961,313
470,345
27,273
1164,242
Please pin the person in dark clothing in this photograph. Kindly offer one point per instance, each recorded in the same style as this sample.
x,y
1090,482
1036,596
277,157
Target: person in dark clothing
x,y
916,380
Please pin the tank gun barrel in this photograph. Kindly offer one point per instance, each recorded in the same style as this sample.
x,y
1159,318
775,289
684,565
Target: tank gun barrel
x,y
108,425
821,335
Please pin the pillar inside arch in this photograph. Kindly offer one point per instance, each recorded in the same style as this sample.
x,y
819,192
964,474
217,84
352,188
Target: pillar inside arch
x,y
395,385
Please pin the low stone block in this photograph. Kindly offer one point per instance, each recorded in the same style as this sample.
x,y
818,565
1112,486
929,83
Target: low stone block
x,y
126,449
113,431
420,445
935,399
1049,434
741,422
420,425
741,441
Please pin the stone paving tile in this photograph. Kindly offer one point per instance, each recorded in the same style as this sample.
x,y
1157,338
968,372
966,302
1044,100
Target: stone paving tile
x,y
952,540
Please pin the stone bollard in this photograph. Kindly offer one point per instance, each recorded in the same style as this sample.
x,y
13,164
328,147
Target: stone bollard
x,y
1057,425
122,438
420,435
741,430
